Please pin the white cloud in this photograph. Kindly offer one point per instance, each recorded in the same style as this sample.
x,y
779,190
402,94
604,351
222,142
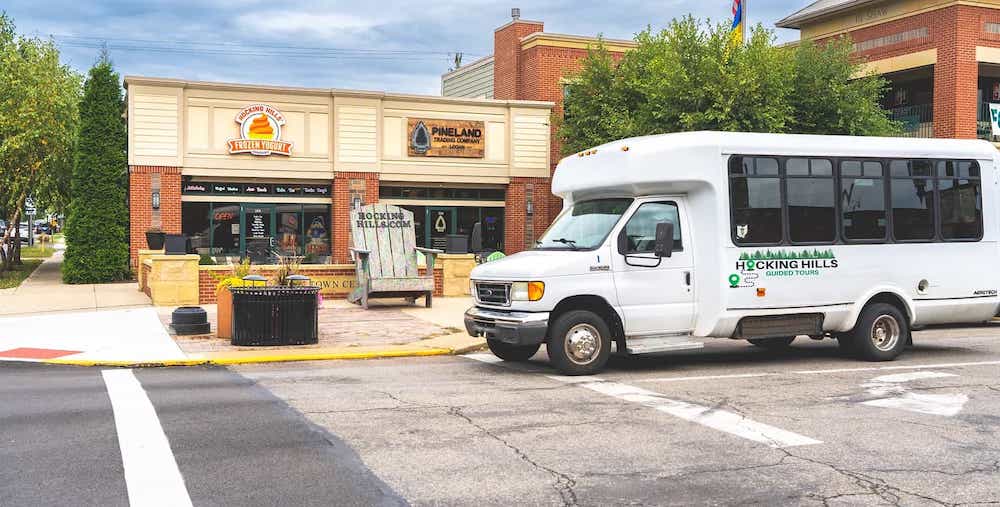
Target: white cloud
x,y
288,22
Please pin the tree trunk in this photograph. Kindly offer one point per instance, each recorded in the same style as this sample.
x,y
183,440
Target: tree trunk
x,y
10,250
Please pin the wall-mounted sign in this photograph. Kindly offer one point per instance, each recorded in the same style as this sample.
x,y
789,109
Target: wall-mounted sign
x,y
260,132
255,189
446,138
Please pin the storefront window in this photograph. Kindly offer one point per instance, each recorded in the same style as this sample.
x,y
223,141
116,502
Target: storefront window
x,y
225,229
316,221
196,222
290,229
261,231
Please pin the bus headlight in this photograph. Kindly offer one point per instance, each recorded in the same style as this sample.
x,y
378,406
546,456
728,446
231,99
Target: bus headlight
x,y
527,291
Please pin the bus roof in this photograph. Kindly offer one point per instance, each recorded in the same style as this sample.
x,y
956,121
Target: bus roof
x,y
674,162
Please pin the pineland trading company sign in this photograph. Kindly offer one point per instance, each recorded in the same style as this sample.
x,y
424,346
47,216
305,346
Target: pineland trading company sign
x,y
260,132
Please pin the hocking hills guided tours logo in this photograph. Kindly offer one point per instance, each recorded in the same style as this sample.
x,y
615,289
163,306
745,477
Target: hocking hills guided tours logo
x,y
260,132
752,265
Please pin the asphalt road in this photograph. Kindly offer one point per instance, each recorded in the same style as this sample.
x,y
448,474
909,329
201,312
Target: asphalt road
x,y
728,424
233,443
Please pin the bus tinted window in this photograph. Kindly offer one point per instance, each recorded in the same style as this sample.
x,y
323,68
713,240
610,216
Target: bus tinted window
x,y
810,194
756,202
912,200
961,200
862,201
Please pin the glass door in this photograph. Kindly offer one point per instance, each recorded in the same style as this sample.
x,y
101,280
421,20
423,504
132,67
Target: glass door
x,y
258,233
439,224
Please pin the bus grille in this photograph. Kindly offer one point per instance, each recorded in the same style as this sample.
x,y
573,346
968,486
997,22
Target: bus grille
x,y
493,293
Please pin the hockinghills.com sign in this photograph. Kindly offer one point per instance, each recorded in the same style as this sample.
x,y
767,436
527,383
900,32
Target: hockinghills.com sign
x,y
260,132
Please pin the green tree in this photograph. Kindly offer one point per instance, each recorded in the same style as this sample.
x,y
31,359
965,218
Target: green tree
x,y
689,76
97,223
38,100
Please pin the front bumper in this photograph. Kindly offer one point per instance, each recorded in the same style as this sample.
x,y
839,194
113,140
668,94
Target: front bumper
x,y
515,328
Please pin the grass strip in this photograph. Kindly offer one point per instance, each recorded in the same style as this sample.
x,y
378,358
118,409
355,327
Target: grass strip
x,y
11,279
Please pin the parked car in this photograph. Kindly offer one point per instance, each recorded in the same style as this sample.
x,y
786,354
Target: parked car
x,y
43,228
25,232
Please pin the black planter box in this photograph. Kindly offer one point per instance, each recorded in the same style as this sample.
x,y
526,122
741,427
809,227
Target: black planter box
x,y
275,316
155,240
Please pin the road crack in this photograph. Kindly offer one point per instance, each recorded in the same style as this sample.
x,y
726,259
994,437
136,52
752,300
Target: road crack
x,y
564,484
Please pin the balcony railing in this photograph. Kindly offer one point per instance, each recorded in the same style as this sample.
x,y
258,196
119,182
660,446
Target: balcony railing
x,y
984,128
917,121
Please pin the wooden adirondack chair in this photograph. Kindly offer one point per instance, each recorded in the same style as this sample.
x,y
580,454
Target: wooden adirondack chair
x,y
385,256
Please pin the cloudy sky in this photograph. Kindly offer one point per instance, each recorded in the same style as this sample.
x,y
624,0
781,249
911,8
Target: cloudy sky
x,y
392,45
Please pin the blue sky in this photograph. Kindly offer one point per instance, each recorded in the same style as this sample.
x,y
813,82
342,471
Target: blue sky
x,y
392,45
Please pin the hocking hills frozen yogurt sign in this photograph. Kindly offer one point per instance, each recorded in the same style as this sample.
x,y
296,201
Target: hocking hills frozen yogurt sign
x,y
260,132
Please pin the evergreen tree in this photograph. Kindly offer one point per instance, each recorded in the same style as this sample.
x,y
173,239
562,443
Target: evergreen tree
x,y
97,223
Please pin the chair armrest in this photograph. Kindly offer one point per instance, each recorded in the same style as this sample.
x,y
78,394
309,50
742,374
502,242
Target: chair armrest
x,y
361,251
431,254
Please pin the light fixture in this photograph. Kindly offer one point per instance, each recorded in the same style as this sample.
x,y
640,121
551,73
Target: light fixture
x,y
156,199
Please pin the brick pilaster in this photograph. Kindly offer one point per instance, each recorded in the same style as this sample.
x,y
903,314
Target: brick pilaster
x,y
347,185
141,213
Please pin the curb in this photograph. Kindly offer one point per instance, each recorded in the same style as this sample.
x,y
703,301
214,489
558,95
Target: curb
x,y
273,358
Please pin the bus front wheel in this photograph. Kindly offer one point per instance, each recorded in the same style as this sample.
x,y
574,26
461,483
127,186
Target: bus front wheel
x,y
579,343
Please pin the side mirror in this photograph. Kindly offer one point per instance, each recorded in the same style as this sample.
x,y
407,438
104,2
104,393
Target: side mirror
x,y
664,239
622,242
476,241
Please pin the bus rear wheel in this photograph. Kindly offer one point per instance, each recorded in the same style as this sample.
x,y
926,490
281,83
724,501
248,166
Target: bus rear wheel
x,y
881,333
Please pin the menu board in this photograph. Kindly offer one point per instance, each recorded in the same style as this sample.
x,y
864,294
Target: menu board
x,y
258,223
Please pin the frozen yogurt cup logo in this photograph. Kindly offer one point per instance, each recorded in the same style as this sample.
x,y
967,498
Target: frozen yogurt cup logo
x,y
260,132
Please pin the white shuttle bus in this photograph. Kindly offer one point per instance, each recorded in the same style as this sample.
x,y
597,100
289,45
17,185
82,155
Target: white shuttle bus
x,y
667,240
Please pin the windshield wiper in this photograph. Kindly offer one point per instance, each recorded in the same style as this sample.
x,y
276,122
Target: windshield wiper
x,y
569,242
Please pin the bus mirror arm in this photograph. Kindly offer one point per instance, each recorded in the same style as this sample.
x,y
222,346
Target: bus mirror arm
x,y
664,239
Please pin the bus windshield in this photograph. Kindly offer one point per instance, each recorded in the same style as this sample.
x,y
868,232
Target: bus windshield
x,y
584,225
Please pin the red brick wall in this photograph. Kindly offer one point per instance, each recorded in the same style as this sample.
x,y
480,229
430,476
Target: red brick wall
x,y
955,32
342,209
507,55
517,235
141,204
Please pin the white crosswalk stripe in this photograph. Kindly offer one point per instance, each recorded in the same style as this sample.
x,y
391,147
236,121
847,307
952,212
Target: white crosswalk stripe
x,y
151,474
717,419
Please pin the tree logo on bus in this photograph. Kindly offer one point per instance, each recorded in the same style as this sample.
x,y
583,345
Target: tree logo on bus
x,y
783,263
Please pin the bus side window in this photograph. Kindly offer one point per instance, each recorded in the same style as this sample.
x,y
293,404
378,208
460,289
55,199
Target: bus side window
x,y
755,200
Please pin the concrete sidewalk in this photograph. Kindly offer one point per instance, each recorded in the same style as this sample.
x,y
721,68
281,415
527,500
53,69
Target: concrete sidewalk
x,y
44,291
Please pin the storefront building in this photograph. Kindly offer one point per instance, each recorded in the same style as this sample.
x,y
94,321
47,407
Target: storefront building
x,y
256,171
941,57
529,63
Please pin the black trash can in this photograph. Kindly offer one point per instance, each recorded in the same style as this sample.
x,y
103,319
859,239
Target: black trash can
x,y
275,315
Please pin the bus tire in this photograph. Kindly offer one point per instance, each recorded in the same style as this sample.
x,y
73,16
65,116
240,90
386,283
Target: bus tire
x,y
881,333
781,343
512,353
579,343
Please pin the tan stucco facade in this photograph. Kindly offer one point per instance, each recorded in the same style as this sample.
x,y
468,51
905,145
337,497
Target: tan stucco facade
x,y
187,124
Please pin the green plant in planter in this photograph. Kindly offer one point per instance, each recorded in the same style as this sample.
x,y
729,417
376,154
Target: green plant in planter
x,y
206,260
236,278
287,265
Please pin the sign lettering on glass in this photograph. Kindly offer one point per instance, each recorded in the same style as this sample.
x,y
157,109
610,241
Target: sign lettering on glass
x,y
446,138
